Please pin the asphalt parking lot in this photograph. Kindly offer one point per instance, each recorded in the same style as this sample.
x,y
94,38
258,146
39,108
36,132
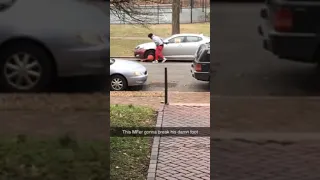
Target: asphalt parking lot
x,y
179,78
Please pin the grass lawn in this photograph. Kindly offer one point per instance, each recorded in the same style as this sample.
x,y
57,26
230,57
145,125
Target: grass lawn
x,y
54,159
124,47
130,156
163,30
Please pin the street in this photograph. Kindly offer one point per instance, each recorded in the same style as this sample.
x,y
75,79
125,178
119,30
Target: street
x,y
179,78
246,69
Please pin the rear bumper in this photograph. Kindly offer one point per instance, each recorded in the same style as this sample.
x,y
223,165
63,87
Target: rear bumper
x,y
139,53
293,46
201,76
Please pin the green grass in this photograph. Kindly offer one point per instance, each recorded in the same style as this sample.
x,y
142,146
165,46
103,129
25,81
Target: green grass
x,y
124,47
52,159
163,30
130,155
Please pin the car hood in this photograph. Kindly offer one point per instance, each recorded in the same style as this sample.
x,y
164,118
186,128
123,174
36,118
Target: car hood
x,y
128,65
150,45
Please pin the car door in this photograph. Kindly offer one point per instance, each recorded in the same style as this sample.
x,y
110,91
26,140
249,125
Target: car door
x,y
189,47
174,47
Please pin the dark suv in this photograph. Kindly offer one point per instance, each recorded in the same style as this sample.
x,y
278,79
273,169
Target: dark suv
x,y
291,29
200,67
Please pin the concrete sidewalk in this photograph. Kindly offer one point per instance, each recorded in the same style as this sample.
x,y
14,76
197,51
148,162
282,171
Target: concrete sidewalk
x,y
176,158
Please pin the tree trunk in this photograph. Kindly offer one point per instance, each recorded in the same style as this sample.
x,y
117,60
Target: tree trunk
x,y
176,17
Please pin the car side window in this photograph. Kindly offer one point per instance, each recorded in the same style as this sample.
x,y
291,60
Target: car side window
x,y
193,39
178,39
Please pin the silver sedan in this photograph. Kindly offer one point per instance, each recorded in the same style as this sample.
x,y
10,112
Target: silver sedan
x,y
44,39
126,73
177,47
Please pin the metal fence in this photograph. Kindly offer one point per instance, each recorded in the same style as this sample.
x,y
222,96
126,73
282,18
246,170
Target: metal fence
x,y
192,11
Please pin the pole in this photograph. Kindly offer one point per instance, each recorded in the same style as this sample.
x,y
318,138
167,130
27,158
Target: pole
x,y
205,12
165,86
191,4
158,14
203,5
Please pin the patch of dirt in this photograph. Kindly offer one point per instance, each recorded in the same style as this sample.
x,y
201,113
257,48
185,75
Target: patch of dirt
x,y
189,97
85,125
153,102
156,101
137,94
83,115
54,102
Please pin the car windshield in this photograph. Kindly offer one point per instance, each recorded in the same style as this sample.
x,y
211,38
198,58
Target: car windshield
x,y
112,61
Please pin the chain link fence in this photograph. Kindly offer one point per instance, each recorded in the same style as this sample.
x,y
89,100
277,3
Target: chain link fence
x,y
192,11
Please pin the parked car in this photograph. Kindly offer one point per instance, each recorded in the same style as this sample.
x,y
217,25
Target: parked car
x,y
291,29
44,39
177,47
200,67
125,73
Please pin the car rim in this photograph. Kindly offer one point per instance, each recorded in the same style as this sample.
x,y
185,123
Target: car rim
x,y
117,84
22,71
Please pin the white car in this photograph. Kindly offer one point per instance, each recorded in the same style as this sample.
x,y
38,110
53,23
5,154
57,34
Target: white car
x,y
177,47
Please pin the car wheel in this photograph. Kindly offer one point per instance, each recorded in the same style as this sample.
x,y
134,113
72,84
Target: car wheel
x,y
149,52
118,83
25,67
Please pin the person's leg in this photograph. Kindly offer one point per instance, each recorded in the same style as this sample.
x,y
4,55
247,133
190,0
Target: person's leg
x,y
161,55
156,55
160,52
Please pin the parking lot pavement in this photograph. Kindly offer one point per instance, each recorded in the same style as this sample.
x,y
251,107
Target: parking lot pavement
x,y
246,69
179,78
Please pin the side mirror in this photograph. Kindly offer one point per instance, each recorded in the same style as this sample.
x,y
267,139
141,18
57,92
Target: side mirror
x,y
166,42
264,13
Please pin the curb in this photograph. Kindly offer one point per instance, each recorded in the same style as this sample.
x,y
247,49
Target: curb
x,y
130,58
155,147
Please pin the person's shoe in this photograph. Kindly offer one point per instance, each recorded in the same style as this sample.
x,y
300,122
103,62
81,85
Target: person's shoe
x,y
164,60
155,61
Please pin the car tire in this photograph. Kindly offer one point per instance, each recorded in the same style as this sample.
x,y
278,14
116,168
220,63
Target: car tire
x,y
149,52
38,67
118,79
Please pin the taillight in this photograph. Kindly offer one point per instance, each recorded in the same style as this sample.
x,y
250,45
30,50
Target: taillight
x,y
283,20
198,67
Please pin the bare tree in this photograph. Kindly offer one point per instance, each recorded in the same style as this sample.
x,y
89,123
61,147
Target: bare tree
x,y
132,11
176,17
